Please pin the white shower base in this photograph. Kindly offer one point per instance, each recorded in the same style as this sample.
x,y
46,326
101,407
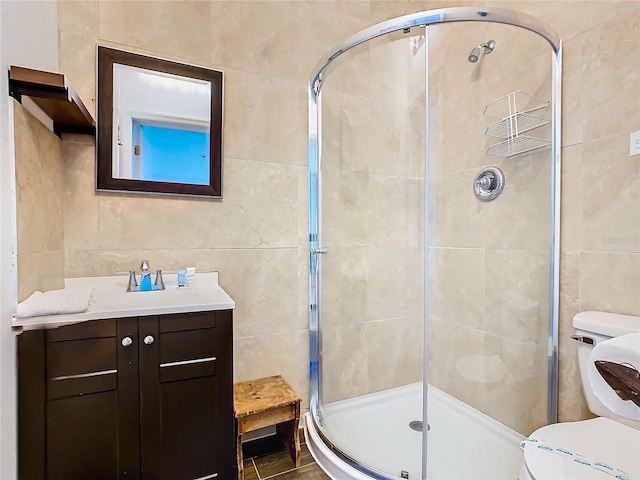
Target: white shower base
x,y
373,429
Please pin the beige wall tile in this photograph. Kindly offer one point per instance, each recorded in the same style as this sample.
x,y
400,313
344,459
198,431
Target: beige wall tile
x,y
394,348
395,283
517,295
146,222
458,216
521,217
259,209
457,286
611,107
572,92
257,236
611,193
345,362
325,26
182,29
462,142
240,40
610,282
38,186
596,12
285,354
519,399
567,26
39,222
263,283
81,224
571,401
344,278
344,208
382,10
450,45
78,62
456,360
249,136
348,72
346,135
40,272
569,302
395,211
78,17
572,199
101,262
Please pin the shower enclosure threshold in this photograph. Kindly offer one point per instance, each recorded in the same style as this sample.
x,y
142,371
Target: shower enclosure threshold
x,y
463,443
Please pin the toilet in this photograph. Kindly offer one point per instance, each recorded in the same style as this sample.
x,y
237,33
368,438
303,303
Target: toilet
x,y
606,447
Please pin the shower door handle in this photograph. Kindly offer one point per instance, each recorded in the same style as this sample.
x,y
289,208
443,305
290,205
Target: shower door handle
x,y
318,251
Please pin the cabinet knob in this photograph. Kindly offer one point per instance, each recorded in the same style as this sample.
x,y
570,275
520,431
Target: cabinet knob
x,y
126,341
148,340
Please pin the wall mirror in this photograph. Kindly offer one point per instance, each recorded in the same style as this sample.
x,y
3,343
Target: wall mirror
x,y
159,126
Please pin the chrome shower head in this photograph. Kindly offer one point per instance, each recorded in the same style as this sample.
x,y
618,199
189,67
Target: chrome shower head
x,y
474,55
486,47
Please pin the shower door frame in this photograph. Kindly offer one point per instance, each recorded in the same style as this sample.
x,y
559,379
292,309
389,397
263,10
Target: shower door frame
x,y
316,251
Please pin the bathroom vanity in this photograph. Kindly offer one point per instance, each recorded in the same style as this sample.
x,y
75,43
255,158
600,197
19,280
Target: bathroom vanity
x,y
140,386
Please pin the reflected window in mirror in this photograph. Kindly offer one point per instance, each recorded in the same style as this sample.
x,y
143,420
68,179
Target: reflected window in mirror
x,y
159,126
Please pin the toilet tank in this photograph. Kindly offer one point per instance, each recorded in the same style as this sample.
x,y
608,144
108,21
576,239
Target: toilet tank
x,y
591,329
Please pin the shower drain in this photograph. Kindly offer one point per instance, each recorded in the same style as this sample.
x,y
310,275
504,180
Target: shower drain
x,y
417,425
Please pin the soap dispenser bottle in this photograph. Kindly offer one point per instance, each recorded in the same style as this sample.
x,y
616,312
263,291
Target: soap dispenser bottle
x,y
145,276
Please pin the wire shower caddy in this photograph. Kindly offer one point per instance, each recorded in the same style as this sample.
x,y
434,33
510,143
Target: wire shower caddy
x,y
514,124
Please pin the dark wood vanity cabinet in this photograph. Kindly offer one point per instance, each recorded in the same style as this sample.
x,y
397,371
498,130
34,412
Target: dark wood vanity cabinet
x,y
133,398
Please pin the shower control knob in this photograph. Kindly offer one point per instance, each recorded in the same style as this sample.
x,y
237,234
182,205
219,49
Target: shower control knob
x,y
148,340
126,342
488,184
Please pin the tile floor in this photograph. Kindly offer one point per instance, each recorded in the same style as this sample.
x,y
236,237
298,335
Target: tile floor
x,y
278,466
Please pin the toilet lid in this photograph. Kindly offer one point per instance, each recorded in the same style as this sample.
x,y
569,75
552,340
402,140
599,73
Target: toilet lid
x,y
592,449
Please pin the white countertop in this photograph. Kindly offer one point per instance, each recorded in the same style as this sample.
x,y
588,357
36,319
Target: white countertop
x,y
111,300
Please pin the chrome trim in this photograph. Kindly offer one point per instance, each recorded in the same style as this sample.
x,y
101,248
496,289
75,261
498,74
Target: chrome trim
x,y
430,17
315,390
207,477
556,170
188,362
584,339
488,184
425,261
84,375
376,474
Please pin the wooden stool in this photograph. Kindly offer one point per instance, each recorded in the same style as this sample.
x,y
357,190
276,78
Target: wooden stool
x,y
265,402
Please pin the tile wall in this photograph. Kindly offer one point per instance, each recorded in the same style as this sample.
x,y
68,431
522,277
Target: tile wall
x,y
257,236
39,218
372,195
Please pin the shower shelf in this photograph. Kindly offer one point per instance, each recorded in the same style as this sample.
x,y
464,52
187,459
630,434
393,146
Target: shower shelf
x,y
513,123
516,145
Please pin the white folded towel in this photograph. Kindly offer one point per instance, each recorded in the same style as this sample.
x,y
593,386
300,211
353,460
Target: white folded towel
x,y
625,350
56,302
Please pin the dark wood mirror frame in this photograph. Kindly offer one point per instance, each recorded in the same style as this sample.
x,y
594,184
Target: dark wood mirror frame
x,y
104,177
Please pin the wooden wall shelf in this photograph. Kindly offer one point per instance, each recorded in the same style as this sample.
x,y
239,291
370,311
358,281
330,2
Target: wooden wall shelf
x,y
53,93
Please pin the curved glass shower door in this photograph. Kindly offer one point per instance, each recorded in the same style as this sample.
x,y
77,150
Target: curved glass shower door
x,y
434,293
372,279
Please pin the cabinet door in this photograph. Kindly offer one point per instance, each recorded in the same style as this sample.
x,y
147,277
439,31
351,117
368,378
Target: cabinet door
x,y
186,390
92,401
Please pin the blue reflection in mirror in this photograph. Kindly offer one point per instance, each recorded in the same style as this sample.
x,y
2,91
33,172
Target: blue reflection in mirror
x,y
166,152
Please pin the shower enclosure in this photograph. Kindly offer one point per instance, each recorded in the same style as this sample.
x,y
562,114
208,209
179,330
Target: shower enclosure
x,y
434,157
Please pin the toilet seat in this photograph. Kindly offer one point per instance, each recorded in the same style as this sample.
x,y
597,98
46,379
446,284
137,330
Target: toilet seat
x,y
591,449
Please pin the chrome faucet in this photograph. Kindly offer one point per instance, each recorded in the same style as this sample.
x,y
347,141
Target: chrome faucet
x,y
145,279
